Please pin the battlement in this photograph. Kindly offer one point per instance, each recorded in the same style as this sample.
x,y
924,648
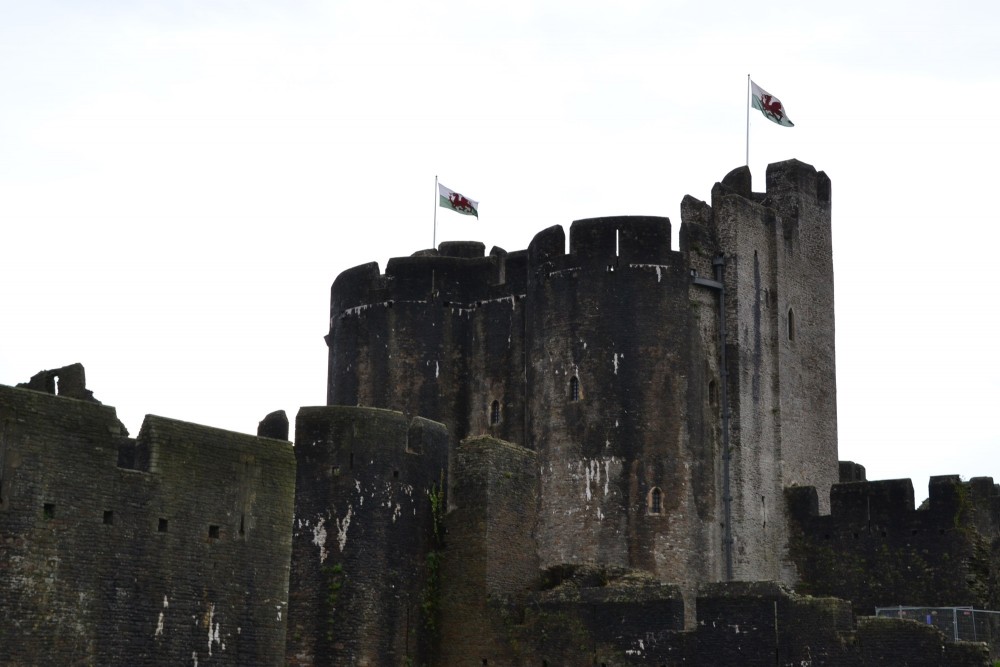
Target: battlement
x,y
793,176
458,272
891,500
875,549
790,177
618,240
457,275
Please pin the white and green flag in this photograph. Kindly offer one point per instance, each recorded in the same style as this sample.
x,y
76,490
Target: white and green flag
x,y
769,105
457,202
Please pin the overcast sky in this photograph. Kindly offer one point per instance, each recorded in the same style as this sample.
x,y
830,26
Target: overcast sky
x,y
180,182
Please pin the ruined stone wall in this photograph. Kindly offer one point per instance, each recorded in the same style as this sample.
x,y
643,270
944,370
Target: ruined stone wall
x,y
489,558
876,550
166,549
368,508
763,624
589,619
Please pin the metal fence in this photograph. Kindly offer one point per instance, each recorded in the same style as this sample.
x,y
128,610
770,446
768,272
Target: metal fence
x,y
959,623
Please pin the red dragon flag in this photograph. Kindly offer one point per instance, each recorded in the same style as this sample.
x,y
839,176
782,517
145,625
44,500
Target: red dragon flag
x,y
456,202
769,105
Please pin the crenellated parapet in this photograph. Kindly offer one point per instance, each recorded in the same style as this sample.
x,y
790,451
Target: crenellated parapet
x,y
876,549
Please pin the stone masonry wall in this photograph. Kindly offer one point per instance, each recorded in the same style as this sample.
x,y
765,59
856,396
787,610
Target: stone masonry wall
x,y
603,358
166,549
489,558
779,297
616,386
368,509
876,550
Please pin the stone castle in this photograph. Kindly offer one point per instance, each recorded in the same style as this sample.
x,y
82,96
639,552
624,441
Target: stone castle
x,y
615,454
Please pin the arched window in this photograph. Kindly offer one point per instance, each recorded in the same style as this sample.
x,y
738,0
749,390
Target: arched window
x,y
655,500
791,324
574,388
495,412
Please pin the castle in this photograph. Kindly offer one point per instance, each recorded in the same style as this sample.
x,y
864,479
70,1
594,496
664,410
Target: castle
x,y
620,453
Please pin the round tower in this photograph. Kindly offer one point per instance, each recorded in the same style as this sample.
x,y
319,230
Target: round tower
x,y
618,406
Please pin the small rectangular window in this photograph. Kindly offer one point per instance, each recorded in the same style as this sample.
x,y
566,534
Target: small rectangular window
x,y
213,532
162,526
49,511
109,518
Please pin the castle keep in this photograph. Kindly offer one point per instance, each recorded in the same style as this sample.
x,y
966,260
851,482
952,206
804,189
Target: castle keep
x,y
604,361
602,452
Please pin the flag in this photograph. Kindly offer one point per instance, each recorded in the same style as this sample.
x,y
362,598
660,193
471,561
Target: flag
x,y
456,202
769,105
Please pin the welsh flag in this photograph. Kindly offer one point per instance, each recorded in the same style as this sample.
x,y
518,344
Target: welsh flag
x,y
456,202
769,105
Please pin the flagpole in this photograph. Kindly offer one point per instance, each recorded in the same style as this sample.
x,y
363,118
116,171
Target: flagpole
x,y
747,102
435,238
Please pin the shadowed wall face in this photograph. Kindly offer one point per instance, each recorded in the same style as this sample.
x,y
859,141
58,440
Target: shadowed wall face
x,y
368,511
159,550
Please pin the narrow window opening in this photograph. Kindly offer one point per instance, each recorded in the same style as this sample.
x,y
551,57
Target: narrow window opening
x,y
495,412
242,524
162,526
618,239
655,500
574,388
49,511
395,474
350,463
713,393
791,324
55,385
763,510
336,470
109,518
213,532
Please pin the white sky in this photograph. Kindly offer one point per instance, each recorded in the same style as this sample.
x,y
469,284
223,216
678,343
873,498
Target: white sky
x,y
180,182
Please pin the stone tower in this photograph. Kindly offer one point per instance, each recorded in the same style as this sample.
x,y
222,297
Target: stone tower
x,y
605,359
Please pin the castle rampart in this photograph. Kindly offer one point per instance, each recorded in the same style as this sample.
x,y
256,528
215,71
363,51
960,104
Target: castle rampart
x,y
369,500
158,550
875,549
